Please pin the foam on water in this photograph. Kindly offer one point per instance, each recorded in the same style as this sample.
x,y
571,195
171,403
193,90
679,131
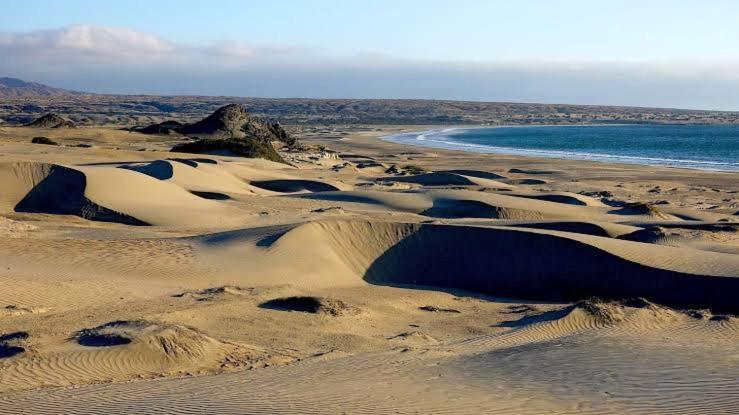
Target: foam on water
x,y
713,147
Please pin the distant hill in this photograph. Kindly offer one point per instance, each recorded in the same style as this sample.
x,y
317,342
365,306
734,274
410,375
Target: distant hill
x,y
18,88
51,121
22,102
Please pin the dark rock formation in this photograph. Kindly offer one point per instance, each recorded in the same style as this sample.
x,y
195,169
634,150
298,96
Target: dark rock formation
x,y
166,127
229,122
44,140
51,121
230,147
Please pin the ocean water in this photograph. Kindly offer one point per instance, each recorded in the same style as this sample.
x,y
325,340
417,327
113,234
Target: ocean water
x,y
708,147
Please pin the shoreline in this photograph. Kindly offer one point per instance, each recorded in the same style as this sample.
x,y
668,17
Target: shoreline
x,y
370,143
446,143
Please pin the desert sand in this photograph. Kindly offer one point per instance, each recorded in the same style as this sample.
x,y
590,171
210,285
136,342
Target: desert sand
x,y
362,277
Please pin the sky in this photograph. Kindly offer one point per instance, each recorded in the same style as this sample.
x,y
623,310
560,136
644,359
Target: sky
x,y
639,53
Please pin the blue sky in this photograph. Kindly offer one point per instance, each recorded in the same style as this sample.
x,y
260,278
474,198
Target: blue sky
x,y
654,53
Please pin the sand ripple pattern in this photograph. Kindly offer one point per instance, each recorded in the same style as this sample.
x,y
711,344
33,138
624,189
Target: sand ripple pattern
x,y
645,360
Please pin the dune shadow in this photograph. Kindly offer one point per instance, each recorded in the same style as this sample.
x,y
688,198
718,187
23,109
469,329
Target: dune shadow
x,y
432,179
530,171
303,304
309,304
158,169
7,350
342,197
568,200
101,340
526,181
193,161
62,192
188,162
292,186
455,208
574,227
109,163
9,346
16,335
106,335
211,195
267,241
639,209
538,318
475,173
516,264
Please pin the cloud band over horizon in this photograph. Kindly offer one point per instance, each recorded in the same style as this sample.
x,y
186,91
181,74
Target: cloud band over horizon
x,y
105,59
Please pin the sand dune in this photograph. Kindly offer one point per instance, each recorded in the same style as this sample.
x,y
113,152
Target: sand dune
x,y
523,263
561,197
493,372
717,237
152,201
200,176
642,209
473,204
122,350
143,194
55,189
447,283
608,229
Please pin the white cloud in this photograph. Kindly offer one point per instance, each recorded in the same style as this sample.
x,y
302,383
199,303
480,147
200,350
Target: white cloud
x,y
85,39
78,45
111,59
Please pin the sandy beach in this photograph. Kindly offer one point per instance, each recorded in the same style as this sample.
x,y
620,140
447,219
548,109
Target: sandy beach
x,y
362,277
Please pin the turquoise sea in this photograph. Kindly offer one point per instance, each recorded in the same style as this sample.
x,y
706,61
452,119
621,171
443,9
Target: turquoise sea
x,y
710,147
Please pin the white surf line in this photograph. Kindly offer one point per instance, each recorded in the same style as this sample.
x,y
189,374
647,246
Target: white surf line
x,y
440,138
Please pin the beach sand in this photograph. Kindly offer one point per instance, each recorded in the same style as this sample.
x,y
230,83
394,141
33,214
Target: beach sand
x,y
365,277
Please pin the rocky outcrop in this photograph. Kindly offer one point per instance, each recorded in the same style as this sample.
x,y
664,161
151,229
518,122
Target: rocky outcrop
x,y
233,147
229,122
51,121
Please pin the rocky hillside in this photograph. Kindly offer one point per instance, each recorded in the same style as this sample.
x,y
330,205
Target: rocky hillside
x,y
17,88
231,121
21,102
